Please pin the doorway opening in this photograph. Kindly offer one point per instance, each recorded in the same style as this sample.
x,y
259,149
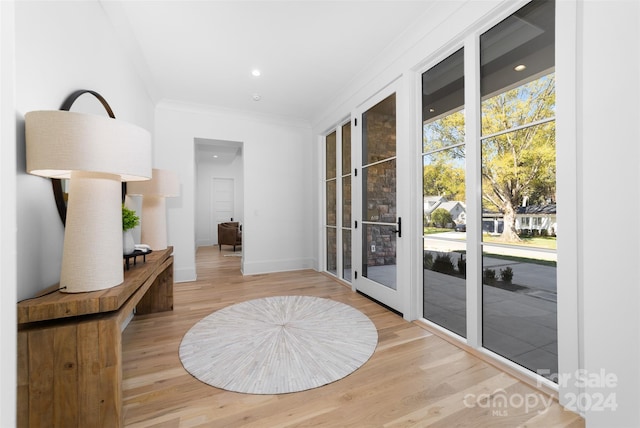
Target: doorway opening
x,y
219,187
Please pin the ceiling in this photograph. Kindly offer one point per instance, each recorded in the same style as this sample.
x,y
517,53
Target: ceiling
x,y
203,52
218,152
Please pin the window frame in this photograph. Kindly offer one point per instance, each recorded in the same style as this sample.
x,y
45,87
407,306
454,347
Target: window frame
x,y
338,227
473,138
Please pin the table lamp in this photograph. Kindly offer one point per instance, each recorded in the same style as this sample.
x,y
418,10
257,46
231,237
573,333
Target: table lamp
x,y
153,220
97,153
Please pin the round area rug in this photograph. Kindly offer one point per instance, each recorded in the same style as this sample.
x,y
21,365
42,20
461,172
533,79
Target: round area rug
x,y
277,345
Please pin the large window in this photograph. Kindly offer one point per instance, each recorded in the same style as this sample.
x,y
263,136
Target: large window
x,y
346,201
331,202
337,182
518,182
511,178
443,194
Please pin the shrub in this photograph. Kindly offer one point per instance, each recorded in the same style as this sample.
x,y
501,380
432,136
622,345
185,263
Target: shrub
x,y
441,216
506,274
524,233
489,275
443,264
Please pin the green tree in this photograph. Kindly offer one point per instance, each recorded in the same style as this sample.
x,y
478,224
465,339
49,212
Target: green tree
x,y
441,217
516,164
443,169
440,178
445,132
519,163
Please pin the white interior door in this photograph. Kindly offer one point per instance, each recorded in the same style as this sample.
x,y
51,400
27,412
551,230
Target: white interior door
x,y
378,223
222,203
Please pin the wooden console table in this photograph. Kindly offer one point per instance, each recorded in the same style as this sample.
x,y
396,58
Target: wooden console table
x,y
70,347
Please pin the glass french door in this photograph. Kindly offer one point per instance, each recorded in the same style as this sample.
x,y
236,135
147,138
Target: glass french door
x,y
331,213
338,223
378,225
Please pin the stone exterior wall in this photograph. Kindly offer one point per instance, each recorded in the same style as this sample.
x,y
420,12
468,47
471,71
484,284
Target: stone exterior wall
x,y
379,182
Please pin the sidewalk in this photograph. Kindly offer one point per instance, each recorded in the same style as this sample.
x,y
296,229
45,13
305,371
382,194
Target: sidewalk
x,y
521,327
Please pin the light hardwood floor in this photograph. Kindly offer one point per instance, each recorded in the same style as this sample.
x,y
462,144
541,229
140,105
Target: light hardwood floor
x,y
414,378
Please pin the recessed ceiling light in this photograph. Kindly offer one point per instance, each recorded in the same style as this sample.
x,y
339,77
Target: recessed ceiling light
x,y
519,67
431,110
255,72
256,97
215,156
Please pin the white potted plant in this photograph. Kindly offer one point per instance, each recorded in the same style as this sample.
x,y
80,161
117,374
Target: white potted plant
x,y
129,220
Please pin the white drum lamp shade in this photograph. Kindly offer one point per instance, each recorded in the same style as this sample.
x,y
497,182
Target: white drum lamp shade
x,y
97,153
153,221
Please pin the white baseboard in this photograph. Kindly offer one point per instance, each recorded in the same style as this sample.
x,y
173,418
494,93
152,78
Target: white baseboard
x,y
252,268
184,275
271,266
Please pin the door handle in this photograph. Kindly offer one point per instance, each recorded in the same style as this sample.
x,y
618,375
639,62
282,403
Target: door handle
x,y
399,229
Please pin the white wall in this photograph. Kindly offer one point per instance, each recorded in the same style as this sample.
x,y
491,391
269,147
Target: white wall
x,y
62,47
277,232
206,172
608,82
8,239
49,49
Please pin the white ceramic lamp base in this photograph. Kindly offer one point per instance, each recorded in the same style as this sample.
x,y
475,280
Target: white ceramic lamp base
x,y
154,222
92,252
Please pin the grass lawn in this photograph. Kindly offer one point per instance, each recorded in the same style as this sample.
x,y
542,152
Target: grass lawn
x,y
523,260
544,242
548,242
432,230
